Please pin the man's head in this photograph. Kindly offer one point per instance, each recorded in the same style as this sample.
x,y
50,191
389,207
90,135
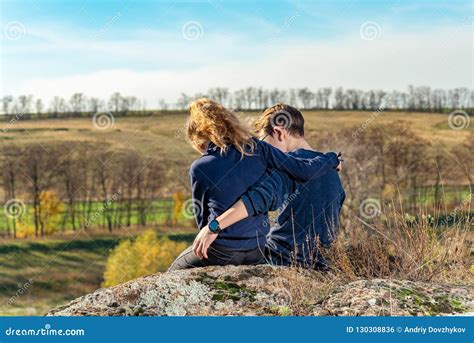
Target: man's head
x,y
281,125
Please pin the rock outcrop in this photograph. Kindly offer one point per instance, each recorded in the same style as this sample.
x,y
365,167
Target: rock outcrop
x,y
266,290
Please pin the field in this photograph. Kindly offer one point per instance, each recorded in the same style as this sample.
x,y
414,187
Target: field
x,y
69,264
60,269
161,211
162,135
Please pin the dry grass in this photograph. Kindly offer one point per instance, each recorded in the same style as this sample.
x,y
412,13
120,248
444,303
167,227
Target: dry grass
x,y
414,249
392,246
162,135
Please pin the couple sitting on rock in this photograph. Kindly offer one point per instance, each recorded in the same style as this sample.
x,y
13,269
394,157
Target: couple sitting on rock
x,y
239,179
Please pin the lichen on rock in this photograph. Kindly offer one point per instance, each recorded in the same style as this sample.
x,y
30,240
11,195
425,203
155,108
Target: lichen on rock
x,y
267,290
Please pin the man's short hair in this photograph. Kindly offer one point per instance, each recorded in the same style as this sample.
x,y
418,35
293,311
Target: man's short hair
x,y
281,115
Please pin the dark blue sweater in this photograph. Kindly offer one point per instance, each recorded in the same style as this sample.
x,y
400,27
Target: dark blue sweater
x,y
219,180
305,211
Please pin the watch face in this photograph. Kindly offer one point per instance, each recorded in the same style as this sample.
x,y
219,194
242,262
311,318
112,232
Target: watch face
x,y
214,226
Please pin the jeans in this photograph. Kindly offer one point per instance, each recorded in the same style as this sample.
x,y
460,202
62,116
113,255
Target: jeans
x,y
218,256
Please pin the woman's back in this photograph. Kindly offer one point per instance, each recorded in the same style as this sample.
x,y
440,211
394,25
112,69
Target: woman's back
x,y
218,180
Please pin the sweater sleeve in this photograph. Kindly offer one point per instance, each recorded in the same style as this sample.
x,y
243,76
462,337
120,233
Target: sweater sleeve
x,y
198,206
269,194
298,168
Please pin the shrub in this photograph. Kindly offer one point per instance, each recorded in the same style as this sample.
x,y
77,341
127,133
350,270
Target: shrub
x,y
145,255
179,198
50,211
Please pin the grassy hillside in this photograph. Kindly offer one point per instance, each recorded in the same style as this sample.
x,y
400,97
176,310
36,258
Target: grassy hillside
x,y
163,135
53,271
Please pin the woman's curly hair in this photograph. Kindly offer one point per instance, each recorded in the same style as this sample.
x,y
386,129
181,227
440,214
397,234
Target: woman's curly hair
x,y
211,122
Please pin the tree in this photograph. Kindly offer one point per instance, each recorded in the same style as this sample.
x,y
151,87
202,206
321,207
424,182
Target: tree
x,y
339,98
25,102
163,105
115,102
145,255
305,96
11,169
56,105
221,95
326,92
39,106
71,177
95,105
239,99
183,101
50,211
39,165
6,100
77,102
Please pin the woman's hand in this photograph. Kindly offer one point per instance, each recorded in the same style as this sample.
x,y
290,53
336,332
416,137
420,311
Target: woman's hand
x,y
202,242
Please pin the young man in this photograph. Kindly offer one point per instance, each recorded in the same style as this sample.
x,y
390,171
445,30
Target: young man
x,y
307,212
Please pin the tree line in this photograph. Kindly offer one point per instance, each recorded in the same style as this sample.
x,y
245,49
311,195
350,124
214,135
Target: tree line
x,y
106,188
96,185
392,163
254,98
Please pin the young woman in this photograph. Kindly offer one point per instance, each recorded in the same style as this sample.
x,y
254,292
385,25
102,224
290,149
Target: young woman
x,y
231,161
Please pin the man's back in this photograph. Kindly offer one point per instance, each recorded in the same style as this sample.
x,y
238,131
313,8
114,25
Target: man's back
x,y
306,211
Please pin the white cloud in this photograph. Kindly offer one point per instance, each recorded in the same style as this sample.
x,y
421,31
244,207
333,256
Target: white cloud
x,y
440,59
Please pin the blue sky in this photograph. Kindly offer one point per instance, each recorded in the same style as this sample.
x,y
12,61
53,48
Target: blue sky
x,y
141,47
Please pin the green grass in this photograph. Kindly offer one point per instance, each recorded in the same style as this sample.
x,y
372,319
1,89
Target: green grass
x,y
59,270
160,213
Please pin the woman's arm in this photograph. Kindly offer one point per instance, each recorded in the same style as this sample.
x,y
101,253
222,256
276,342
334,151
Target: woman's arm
x,y
205,237
298,168
267,195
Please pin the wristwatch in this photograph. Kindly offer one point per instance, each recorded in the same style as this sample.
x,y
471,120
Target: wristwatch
x,y
214,226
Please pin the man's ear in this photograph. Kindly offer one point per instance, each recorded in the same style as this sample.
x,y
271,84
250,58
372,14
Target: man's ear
x,y
278,132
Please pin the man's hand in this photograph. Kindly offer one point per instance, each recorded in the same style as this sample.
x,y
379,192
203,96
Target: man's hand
x,y
339,166
202,242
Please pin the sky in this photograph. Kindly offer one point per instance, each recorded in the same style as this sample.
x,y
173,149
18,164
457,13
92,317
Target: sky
x,y
158,49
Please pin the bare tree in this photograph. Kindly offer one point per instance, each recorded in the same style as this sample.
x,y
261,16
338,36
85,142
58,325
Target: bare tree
x,y
163,105
6,100
115,102
183,101
38,167
77,103
305,96
11,164
39,106
95,104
